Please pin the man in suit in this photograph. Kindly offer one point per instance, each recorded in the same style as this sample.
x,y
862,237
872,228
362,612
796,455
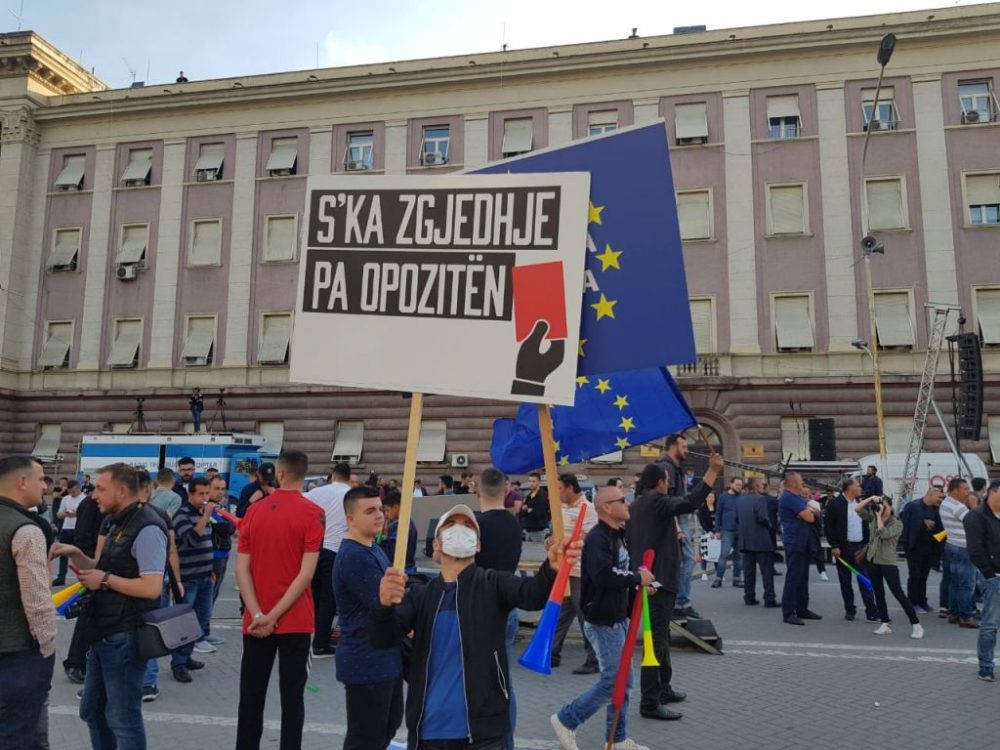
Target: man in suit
x,y
847,534
756,535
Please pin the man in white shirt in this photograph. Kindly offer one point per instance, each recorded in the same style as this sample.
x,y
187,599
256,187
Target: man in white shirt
x,y
330,497
963,574
67,513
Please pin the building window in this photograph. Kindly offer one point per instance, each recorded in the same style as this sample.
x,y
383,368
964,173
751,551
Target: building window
x,y
795,438
433,437
211,157
434,145
359,156
131,250
703,322
787,212
691,124
127,343
982,195
604,121
894,321
897,434
71,176
121,428
793,327
694,214
518,135
47,442
275,331
65,252
58,341
205,248
993,431
783,117
977,102
886,203
273,434
199,342
988,315
886,118
280,238
348,442
284,155
140,166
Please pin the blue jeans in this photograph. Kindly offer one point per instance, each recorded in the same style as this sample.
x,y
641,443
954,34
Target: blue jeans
x,y
219,565
730,544
197,593
112,694
962,582
608,643
513,622
989,624
25,679
687,568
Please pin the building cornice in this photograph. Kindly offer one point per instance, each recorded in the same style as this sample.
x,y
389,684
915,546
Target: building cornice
x,y
25,54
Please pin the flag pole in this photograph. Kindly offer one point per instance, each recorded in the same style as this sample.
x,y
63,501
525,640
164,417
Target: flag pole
x,y
409,480
551,471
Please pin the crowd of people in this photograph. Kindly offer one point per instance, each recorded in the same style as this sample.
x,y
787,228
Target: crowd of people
x,y
433,648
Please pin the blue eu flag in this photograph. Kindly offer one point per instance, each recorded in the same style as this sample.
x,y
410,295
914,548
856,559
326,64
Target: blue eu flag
x,y
635,300
612,412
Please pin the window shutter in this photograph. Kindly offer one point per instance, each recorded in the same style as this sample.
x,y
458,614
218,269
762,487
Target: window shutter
x,y
206,243
704,331
892,319
982,189
691,120
693,215
885,204
787,209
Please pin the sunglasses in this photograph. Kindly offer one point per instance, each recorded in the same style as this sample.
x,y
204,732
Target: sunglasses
x,y
612,502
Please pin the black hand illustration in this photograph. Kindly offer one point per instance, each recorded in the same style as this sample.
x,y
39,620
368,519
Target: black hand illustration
x,y
533,365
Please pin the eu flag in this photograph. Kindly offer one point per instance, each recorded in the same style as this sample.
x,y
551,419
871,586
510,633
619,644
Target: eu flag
x,y
635,301
611,412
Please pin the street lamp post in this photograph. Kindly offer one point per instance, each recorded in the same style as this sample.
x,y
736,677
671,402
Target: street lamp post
x,y
870,245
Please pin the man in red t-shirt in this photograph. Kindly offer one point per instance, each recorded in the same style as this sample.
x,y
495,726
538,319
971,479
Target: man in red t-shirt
x,y
280,539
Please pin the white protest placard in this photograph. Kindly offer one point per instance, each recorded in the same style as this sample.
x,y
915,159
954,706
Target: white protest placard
x,y
466,285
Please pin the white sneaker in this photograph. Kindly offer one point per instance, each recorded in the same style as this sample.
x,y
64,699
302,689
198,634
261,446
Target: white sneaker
x,y
883,629
704,576
566,737
215,640
918,631
823,576
628,744
204,647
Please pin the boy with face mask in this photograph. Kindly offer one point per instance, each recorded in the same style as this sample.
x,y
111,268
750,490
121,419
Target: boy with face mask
x,y
458,695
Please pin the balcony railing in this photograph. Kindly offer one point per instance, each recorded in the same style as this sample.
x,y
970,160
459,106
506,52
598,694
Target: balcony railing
x,y
706,366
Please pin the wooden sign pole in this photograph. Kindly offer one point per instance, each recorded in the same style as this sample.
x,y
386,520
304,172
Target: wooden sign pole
x,y
409,480
551,472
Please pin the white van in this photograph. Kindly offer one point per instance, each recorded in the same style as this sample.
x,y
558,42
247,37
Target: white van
x,y
932,468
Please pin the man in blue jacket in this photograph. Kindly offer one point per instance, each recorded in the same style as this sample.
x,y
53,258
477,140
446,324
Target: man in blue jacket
x,y
727,528
796,517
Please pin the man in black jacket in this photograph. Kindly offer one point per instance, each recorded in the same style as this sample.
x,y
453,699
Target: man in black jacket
x,y
534,513
463,613
982,539
88,525
756,542
921,521
653,526
848,536
607,581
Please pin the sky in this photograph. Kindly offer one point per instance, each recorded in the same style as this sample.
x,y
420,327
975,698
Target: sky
x,y
222,38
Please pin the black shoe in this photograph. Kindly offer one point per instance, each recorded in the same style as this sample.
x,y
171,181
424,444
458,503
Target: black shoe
x,y
59,582
751,602
662,713
150,692
772,605
793,620
194,665
717,583
873,618
738,583
691,612
778,573
810,615
849,616
556,660
673,696
181,674
323,653
587,668
75,675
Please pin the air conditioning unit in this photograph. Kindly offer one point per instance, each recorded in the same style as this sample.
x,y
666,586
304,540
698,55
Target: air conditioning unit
x,y
68,188
127,272
195,361
971,116
356,166
696,141
280,173
874,124
207,175
339,458
460,460
63,267
432,158
136,183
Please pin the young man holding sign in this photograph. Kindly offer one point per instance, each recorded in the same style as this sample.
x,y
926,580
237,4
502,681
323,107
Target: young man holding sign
x,y
458,697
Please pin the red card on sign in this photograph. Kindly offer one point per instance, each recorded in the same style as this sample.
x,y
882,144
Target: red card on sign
x,y
539,294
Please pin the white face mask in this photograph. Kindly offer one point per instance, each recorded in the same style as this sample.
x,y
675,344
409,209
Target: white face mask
x,y
459,542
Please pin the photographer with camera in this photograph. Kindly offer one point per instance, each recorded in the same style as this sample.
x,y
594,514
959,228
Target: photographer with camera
x,y
884,532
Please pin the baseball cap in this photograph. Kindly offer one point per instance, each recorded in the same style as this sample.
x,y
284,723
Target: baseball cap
x,y
458,510
266,472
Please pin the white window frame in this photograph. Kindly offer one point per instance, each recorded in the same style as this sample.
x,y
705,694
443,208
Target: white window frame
x,y
988,313
125,346
710,208
518,136
795,438
216,259
268,254
433,441
72,174
784,116
360,157
140,167
211,163
348,441
885,327
47,442
64,257
691,123
903,203
775,297
713,347
283,160
973,201
56,351
194,353
886,106
601,121
264,342
983,103
805,208
435,151
132,254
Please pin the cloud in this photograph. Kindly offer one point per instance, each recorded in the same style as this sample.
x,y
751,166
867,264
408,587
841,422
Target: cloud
x,y
339,52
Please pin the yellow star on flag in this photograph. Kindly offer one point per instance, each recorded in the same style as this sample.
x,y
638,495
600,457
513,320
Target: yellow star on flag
x,y
564,460
579,348
621,402
594,214
605,307
627,423
555,446
582,381
609,258
622,443
602,385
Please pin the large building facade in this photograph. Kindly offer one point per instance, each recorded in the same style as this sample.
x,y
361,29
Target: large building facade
x,y
148,236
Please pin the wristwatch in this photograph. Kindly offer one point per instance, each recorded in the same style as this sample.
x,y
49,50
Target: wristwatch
x,y
258,616
104,582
